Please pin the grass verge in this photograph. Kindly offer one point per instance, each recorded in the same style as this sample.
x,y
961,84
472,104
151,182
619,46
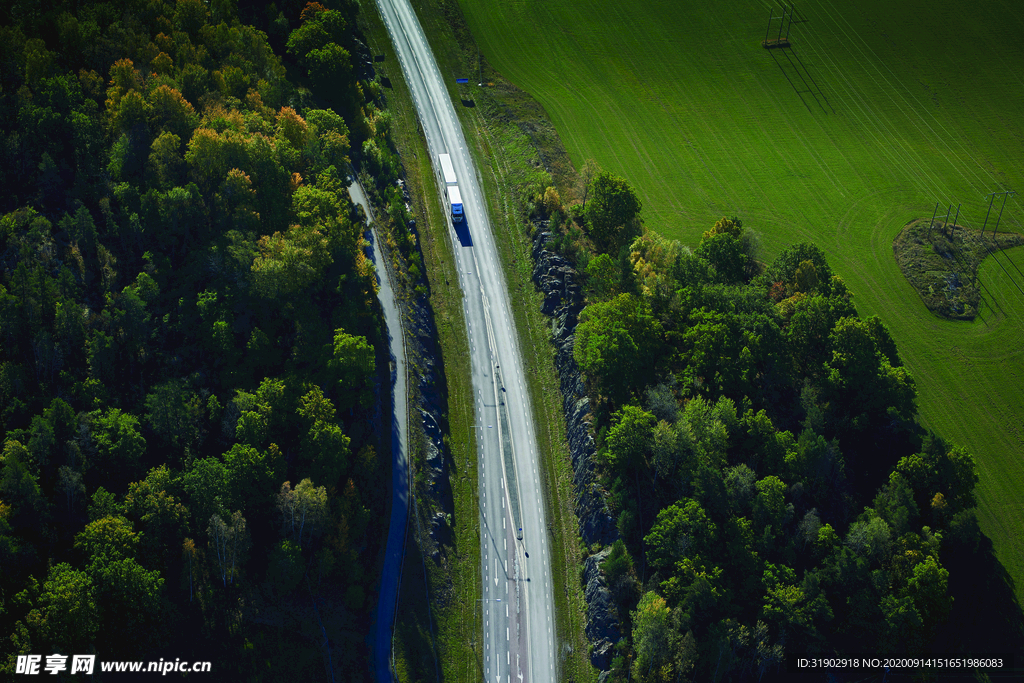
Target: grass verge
x,y
438,629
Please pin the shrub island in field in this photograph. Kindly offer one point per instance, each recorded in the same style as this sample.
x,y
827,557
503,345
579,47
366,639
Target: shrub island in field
x,y
941,261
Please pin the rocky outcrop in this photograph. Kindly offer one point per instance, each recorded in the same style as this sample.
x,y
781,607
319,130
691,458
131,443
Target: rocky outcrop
x,y
362,61
602,620
429,398
563,301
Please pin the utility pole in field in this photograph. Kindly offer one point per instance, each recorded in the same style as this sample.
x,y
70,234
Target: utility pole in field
x,y
992,196
779,40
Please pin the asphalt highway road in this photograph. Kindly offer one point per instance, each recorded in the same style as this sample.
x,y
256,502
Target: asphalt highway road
x,y
517,608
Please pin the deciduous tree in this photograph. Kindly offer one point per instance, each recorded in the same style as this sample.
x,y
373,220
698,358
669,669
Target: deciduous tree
x,y
617,344
67,616
119,447
612,212
303,509
352,365
229,541
650,638
19,488
681,530
325,448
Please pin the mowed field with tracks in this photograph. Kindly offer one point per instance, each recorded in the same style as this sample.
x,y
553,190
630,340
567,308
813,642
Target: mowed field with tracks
x,y
879,110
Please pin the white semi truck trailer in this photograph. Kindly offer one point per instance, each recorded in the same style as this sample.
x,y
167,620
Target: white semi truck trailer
x,y
450,185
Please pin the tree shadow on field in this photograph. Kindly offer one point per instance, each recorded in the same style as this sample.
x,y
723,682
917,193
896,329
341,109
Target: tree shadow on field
x,y
986,616
800,71
1008,273
990,299
416,655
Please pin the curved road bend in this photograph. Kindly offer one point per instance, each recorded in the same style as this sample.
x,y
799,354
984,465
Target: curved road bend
x,y
387,599
517,604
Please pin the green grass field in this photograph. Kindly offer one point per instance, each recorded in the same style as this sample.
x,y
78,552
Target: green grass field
x,y
879,110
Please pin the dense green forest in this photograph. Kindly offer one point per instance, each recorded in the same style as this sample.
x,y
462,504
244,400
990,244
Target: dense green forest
x,y
758,444
190,341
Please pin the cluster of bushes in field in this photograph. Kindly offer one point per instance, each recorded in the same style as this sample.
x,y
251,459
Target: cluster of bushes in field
x,y
941,261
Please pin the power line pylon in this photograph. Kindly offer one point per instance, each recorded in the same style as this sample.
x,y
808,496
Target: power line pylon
x,y
779,40
992,196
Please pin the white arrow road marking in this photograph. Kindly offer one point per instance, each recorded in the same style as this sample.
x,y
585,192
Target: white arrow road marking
x,y
495,571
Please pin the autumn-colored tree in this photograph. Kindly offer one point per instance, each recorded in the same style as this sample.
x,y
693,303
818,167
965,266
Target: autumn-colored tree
x,y
292,128
171,112
725,226
289,262
124,77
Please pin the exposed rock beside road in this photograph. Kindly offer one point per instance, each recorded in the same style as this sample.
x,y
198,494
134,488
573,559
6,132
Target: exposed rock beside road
x,y
431,406
602,619
563,301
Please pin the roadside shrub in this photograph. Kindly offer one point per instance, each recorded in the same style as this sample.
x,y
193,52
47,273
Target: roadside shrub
x,y
618,563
